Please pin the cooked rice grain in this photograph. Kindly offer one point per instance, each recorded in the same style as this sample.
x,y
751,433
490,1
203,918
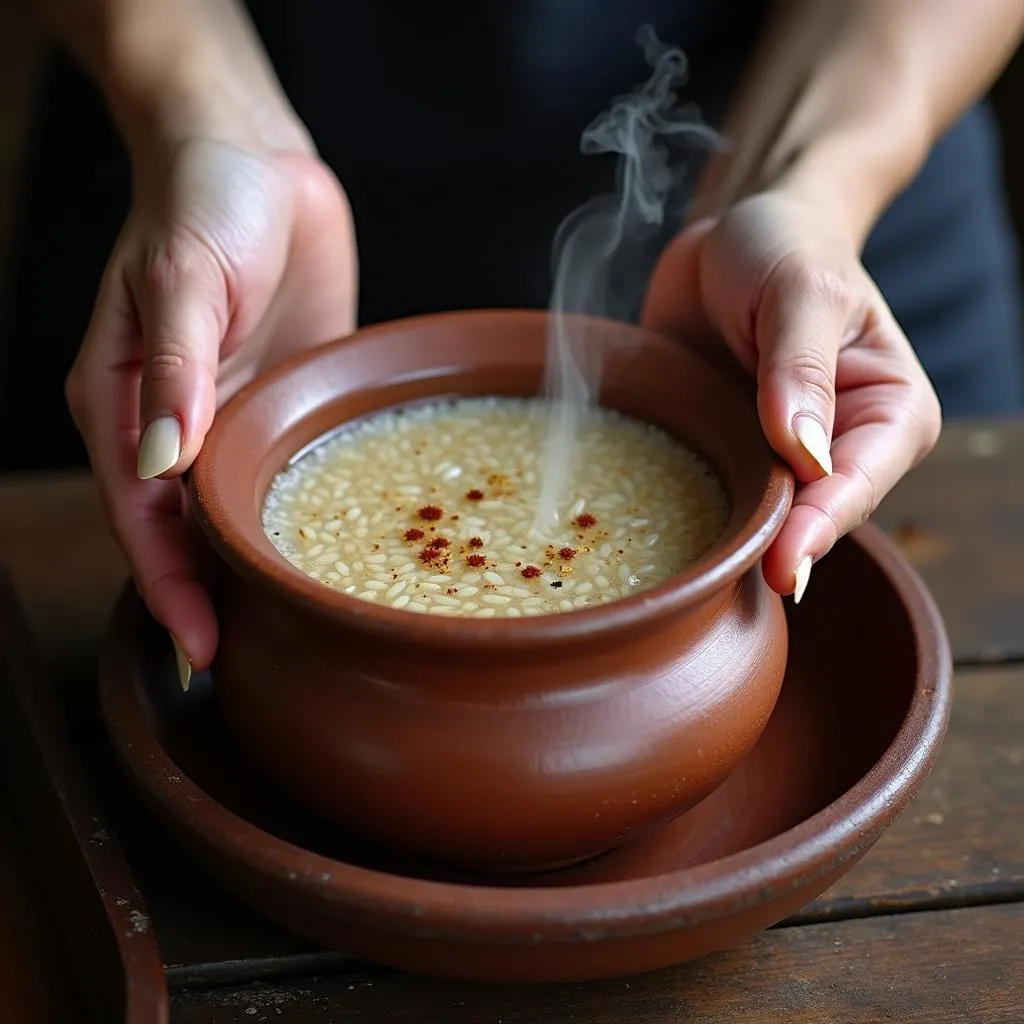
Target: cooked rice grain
x,y
346,504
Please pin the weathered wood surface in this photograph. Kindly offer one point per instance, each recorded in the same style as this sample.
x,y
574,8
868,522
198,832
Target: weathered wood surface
x,y
963,966
960,843
960,519
927,928
962,839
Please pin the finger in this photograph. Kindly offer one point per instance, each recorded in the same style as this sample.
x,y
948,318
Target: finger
x,y
868,461
674,304
146,515
801,322
183,311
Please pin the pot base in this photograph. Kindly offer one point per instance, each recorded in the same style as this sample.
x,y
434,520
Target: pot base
x,y
853,735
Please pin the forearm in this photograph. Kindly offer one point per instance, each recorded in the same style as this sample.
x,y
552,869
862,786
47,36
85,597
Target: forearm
x,y
171,69
845,100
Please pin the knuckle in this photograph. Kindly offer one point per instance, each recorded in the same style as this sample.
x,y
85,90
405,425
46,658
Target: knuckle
x,y
324,192
828,514
167,358
822,285
177,259
815,375
870,499
165,580
830,288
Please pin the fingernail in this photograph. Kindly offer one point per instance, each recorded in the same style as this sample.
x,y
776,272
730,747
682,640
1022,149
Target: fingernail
x,y
801,577
160,447
811,434
184,665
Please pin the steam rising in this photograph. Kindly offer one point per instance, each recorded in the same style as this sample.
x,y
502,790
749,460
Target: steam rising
x,y
604,251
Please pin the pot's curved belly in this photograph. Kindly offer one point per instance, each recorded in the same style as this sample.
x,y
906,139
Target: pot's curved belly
x,y
511,761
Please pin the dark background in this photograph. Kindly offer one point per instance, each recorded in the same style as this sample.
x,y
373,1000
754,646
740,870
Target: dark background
x,y
21,47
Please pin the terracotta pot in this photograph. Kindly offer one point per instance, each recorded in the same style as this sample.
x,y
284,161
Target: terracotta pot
x,y
497,744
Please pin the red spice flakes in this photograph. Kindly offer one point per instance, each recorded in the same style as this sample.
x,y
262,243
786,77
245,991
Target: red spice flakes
x,y
439,542
567,554
475,495
531,572
476,561
585,520
476,542
431,556
430,513
413,534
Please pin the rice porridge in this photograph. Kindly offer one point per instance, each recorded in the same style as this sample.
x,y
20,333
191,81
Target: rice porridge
x,y
432,509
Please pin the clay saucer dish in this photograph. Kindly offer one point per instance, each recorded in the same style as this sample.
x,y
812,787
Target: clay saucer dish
x,y
862,713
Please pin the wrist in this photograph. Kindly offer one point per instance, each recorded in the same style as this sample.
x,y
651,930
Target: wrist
x,y
850,173
834,112
159,121
173,72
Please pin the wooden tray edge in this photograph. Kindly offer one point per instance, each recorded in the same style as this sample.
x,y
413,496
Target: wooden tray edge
x,y
95,900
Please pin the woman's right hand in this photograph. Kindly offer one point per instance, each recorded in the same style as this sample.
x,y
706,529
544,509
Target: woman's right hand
x,y
232,258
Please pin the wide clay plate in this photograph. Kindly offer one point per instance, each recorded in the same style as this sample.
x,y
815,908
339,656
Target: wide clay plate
x,y
863,710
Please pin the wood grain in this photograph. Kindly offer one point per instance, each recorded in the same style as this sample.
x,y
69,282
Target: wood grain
x,y
962,839
959,518
929,968
65,567
961,842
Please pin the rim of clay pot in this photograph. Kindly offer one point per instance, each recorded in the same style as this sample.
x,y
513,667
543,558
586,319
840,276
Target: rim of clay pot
x,y
596,911
220,491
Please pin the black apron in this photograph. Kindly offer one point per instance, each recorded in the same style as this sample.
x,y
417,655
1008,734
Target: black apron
x,y
455,130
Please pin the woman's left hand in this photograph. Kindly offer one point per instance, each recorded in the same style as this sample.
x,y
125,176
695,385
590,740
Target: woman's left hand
x,y
841,395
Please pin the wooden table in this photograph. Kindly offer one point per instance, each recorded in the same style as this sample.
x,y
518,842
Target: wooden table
x,y
929,927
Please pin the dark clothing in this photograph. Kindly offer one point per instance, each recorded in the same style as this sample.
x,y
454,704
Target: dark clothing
x,y
455,130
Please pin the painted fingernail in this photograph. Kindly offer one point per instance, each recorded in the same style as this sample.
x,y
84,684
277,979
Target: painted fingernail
x,y
811,434
184,665
160,447
801,578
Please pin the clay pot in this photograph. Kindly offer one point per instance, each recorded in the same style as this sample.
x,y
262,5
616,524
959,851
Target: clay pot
x,y
495,744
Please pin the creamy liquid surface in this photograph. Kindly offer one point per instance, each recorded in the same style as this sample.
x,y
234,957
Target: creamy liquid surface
x,y
433,509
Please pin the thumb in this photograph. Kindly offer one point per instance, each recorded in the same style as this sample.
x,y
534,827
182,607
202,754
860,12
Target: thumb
x,y
675,304
799,327
183,312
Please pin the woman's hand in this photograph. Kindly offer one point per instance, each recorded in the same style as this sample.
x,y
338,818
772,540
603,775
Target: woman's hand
x,y
233,257
841,395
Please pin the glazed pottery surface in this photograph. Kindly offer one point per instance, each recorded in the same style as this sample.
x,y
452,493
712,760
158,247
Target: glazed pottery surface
x,y
509,744
860,719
